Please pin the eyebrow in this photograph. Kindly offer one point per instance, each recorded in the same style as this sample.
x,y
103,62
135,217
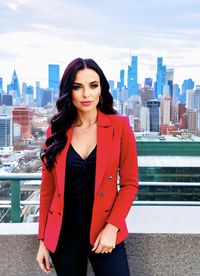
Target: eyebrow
x,y
92,82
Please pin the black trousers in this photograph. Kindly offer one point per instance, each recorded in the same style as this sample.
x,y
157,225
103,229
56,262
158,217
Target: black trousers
x,y
71,258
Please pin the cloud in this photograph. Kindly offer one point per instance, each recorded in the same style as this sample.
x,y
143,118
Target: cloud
x,y
7,55
42,31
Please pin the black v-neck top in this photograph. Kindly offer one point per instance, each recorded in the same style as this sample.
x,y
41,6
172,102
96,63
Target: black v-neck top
x,y
79,194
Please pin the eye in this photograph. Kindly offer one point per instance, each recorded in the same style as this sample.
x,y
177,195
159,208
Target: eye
x,y
76,87
94,85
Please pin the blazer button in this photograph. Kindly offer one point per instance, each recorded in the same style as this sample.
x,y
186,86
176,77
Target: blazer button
x,y
102,194
58,195
110,177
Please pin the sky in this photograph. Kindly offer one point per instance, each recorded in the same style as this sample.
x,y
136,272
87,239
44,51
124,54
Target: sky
x,y
36,33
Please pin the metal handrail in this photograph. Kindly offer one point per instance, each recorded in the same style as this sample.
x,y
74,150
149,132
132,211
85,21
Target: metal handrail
x,y
7,204
38,176
15,204
21,176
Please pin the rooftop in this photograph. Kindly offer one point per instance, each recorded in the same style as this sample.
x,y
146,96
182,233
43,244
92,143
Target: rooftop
x,y
146,137
169,161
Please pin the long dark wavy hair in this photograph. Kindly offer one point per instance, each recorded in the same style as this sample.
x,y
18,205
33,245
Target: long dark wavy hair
x,y
66,111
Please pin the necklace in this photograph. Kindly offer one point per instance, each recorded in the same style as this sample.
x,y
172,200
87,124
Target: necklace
x,y
76,124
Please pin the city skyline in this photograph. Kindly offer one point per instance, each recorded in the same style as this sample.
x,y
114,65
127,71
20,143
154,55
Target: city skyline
x,y
116,82
34,34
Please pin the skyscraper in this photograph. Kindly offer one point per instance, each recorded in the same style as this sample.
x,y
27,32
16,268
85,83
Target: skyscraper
x,y
160,77
154,108
54,77
192,120
187,85
169,80
176,93
120,84
47,97
165,110
197,98
148,82
13,87
23,116
29,95
24,87
38,94
144,119
146,94
132,81
7,99
190,99
5,131
1,85
197,106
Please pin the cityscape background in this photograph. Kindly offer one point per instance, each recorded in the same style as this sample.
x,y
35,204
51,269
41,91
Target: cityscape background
x,y
157,106
34,34
149,52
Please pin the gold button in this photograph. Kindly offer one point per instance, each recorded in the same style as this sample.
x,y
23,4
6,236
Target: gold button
x,y
102,194
110,177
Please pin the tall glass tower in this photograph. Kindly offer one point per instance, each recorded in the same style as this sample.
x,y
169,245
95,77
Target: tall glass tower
x,y
154,110
120,83
133,77
1,85
54,76
14,86
187,85
160,77
5,131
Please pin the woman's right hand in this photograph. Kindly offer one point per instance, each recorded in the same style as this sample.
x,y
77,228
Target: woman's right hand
x,y
43,258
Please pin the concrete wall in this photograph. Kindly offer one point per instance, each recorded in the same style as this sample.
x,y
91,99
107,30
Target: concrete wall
x,y
148,255
168,243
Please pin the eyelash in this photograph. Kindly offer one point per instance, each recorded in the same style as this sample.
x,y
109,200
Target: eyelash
x,y
92,86
76,87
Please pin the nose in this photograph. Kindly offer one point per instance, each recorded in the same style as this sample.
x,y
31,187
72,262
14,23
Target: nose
x,y
86,92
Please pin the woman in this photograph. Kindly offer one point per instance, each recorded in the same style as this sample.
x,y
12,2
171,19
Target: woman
x,y
88,146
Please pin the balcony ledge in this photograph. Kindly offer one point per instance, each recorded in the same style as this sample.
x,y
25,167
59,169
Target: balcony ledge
x,y
163,241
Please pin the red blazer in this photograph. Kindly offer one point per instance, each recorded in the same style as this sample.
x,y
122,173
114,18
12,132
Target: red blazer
x,y
116,156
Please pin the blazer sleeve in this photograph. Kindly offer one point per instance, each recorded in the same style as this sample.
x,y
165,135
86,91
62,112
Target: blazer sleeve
x,y
47,189
128,172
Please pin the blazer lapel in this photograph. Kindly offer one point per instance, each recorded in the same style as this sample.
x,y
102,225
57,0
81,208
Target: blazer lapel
x,y
104,142
61,169
104,146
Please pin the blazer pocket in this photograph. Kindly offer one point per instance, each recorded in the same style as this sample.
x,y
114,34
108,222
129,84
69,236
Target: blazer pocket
x,y
51,212
108,210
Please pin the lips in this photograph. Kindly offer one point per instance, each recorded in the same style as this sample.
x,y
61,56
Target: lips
x,y
86,103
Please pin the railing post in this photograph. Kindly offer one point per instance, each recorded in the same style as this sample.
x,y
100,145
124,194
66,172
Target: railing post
x,y
15,201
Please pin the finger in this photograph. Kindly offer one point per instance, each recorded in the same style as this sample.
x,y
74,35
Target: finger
x,y
107,249
42,265
47,263
96,243
99,248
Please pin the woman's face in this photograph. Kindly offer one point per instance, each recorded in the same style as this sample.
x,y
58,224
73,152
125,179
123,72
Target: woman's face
x,y
86,90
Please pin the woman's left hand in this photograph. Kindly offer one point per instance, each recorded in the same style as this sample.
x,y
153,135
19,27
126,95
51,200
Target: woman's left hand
x,y
105,241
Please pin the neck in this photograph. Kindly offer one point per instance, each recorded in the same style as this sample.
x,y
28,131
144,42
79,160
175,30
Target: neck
x,y
86,119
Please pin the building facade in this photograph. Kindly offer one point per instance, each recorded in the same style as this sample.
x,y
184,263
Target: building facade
x,y
54,78
23,116
132,81
160,77
172,161
154,111
5,131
